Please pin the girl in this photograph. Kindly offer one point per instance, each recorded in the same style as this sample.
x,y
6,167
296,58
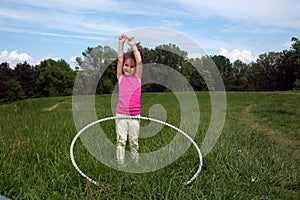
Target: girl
x,y
129,74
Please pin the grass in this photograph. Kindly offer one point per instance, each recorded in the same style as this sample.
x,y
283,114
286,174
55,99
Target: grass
x,y
256,157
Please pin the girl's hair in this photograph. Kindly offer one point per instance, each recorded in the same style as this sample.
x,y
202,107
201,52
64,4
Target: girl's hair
x,y
130,54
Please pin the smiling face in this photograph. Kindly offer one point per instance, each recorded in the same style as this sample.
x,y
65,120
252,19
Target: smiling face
x,y
129,67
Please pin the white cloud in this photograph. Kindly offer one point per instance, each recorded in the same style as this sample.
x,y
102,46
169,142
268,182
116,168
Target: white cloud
x,y
14,57
236,54
73,59
195,55
52,57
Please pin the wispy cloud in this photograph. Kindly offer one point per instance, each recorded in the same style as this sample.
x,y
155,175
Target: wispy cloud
x,y
79,17
68,35
281,13
236,26
76,16
56,20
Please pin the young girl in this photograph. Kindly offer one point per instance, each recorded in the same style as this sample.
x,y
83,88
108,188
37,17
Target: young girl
x,y
129,74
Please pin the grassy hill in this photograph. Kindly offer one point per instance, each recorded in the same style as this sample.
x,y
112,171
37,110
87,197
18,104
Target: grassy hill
x,y
256,157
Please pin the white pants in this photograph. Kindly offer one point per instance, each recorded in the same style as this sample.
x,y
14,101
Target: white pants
x,y
124,127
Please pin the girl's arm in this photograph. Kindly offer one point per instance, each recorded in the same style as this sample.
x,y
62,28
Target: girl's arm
x,y
122,39
137,56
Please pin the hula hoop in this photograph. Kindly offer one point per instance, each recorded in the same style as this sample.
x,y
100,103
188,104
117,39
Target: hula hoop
x,y
132,117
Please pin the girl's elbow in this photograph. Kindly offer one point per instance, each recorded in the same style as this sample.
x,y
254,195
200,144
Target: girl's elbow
x,y
139,63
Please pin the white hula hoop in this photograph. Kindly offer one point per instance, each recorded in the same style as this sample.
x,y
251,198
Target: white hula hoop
x,y
133,117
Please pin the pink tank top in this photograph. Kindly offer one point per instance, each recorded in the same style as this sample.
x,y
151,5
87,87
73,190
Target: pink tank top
x,y
129,96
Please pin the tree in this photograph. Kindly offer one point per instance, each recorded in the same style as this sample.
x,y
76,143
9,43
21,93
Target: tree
x,y
55,78
26,75
170,55
196,79
287,71
96,58
269,70
108,79
5,75
240,75
295,49
296,85
13,91
163,65
225,68
149,55
295,57
98,70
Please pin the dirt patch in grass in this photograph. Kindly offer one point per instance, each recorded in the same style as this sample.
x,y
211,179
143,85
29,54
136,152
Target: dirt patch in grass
x,y
274,135
51,107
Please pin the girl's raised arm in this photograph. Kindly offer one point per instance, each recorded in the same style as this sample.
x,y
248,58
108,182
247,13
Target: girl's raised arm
x,y
137,56
122,39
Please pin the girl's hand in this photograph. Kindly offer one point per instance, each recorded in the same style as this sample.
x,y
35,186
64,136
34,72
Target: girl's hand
x,y
130,41
122,38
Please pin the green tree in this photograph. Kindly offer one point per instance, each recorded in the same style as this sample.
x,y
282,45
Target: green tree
x,y
194,71
26,75
97,70
170,55
240,75
287,71
86,82
5,75
225,68
13,91
162,66
97,58
149,55
295,51
268,64
55,78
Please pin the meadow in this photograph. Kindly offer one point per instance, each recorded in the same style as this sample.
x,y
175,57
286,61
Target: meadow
x,y
256,157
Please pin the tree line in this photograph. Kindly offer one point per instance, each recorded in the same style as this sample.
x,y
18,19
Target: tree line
x,y
95,73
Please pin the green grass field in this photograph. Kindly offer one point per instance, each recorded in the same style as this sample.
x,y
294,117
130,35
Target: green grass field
x,y
256,157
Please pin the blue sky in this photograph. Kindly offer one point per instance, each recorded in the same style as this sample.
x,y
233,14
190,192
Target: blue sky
x,y
35,30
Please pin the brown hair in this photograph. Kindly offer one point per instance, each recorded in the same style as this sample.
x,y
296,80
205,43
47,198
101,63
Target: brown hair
x,y
130,54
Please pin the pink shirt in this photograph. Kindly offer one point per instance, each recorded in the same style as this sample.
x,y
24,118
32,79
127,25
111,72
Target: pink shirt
x,y
129,96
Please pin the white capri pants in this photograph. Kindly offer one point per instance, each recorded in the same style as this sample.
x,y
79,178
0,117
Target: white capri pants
x,y
130,128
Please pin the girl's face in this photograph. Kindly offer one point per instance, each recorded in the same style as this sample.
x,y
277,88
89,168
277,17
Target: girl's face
x,y
129,67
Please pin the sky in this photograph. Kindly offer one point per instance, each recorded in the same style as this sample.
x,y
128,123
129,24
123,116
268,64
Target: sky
x,y
35,30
